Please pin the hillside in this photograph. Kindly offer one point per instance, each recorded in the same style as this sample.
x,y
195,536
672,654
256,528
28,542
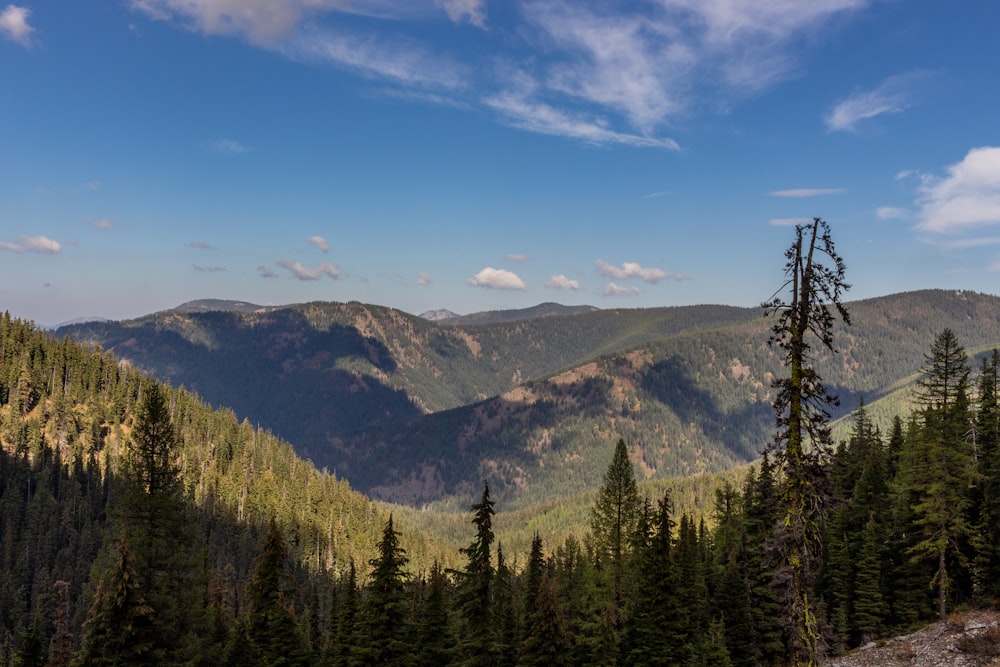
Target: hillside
x,y
412,411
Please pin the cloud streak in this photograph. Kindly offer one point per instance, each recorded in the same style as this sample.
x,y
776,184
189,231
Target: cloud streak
x,y
612,289
319,242
302,273
104,224
630,270
892,96
590,71
807,192
36,244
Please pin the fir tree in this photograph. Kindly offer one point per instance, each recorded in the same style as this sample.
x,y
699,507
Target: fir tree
x,y
270,626
385,618
940,466
475,589
801,408
119,627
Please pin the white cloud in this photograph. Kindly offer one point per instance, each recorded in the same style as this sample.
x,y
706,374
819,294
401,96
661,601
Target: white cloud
x,y
968,197
208,269
398,60
807,192
201,245
473,11
14,24
497,279
602,73
39,244
302,273
266,272
562,282
423,278
634,270
541,118
863,104
514,257
105,224
612,289
788,222
227,147
319,242
891,212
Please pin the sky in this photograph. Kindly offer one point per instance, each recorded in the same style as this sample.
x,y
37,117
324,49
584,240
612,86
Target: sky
x,y
489,154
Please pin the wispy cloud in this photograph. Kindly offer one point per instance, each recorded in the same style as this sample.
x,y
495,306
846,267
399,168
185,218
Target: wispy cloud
x,y
892,96
399,60
630,270
423,278
967,198
38,244
611,289
807,192
319,242
891,213
201,245
515,257
105,224
608,74
788,222
542,118
227,147
14,25
266,272
562,282
208,269
473,11
302,273
93,185
497,279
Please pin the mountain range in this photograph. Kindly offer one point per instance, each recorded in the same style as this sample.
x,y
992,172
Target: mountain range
x,y
415,411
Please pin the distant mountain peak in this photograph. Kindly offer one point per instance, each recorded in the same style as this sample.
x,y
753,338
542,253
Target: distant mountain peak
x,y
438,314
208,305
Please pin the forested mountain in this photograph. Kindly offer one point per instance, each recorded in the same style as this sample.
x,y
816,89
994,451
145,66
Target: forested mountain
x,y
413,411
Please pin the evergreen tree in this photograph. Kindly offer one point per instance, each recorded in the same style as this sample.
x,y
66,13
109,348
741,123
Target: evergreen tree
x,y
435,644
545,640
270,627
119,627
655,633
613,517
987,510
940,467
475,589
385,621
153,512
801,408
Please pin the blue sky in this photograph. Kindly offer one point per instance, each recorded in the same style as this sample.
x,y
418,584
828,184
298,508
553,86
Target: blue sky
x,y
486,154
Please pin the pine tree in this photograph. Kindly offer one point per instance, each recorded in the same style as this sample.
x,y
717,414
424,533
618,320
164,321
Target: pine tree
x,y
987,511
614,515
801,408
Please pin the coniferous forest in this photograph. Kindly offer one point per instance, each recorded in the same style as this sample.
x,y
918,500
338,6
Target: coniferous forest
x,y
140,527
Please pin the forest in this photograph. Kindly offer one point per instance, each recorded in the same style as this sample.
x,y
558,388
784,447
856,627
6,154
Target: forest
x,y
140,527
